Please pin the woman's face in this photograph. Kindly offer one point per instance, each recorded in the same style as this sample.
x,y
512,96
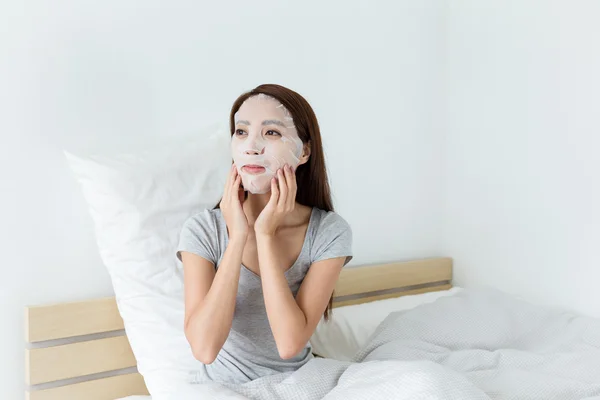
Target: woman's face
x,y
263,141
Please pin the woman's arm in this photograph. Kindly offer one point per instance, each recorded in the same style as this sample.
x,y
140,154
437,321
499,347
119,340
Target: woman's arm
x,y
210,300
209,296
293,321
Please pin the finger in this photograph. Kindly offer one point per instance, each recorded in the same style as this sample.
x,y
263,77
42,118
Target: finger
x,y
236,189
274,193
229,181
241,194
283,190
290,178
237,173
237,183
230,177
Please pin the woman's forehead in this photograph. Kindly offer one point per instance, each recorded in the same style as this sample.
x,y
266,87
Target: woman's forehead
x,y
257,109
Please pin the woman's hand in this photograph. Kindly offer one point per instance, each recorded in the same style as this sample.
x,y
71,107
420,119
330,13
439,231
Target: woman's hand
x,y
231,206
282,202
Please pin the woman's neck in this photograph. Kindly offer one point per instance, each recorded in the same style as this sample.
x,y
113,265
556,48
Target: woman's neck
x,y
254,204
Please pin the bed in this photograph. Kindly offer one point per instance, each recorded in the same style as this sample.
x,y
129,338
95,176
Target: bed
x,y
79,350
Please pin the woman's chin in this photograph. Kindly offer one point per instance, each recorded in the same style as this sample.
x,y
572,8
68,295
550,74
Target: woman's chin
x,y
257,184
259,189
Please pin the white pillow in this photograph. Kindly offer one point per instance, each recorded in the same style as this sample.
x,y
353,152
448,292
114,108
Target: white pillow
x,y
351,326
139,202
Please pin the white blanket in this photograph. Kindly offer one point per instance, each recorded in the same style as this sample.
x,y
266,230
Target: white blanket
x,y
478,344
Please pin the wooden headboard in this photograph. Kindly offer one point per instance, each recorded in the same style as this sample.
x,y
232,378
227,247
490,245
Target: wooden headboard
x,y
79,350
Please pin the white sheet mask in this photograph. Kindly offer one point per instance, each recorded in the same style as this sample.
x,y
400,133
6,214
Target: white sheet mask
x,y
264,140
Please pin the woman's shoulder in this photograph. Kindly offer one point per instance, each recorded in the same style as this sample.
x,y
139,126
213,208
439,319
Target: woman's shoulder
x,y
329,219
329,227
204,220
201,235
331,236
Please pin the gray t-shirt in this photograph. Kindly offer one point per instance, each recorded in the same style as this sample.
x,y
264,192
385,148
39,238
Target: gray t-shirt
x,y
250,350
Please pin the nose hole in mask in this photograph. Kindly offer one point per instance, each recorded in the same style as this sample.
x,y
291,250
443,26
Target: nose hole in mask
x,y
255,152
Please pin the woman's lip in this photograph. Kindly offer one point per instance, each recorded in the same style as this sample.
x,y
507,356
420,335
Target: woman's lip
x,y
253,169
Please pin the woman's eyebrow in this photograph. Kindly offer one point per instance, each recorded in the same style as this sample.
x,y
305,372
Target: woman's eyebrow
x,y
243,122
273,122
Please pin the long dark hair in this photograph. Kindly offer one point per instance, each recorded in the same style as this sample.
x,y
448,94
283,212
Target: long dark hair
x,y
311,177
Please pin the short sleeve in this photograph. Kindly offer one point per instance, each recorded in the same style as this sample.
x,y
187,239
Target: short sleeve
x,y
199,236
333,239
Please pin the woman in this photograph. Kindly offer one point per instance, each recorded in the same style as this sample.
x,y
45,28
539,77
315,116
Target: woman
x,y
261,267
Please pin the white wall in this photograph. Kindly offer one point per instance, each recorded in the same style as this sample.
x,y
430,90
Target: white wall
x,y
522,183
108,75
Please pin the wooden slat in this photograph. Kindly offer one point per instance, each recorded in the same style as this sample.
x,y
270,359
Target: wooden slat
x,y
100,389
77,359
65,320
390,276
368,299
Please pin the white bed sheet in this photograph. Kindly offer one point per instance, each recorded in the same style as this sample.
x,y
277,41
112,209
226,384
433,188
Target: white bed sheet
x,y
475,345
351,326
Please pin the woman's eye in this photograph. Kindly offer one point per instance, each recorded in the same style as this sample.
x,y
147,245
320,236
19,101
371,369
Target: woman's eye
x,y
240,132
272,133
